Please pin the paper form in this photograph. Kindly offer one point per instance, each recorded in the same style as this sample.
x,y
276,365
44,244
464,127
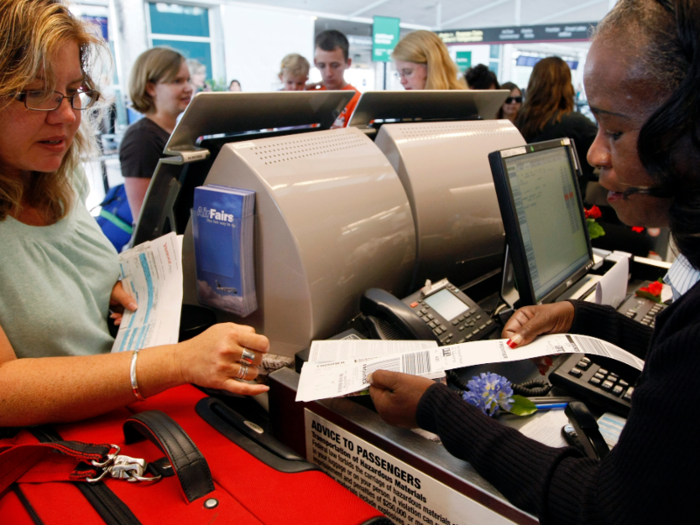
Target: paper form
x,y
547,428
331,379
152,274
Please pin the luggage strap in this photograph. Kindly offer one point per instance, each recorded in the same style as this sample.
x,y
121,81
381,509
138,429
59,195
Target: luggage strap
x,y
83,462
76,462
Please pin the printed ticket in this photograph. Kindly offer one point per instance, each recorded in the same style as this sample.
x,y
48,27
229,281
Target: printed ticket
x,y
152,274
321,380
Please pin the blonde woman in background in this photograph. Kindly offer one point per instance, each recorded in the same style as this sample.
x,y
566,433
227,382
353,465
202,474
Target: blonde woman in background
x,y
198,75
423,62
294,72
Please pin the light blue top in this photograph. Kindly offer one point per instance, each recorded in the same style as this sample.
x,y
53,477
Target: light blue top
x,y
55,284
682,276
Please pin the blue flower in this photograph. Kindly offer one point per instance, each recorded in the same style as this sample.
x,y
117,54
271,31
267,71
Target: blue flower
x,y
489,392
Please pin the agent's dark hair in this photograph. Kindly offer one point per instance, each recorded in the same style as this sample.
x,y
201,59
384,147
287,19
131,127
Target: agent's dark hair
x,y
669,142
331,39
481,77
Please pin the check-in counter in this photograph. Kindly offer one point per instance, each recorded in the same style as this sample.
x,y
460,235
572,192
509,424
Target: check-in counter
x,y
408,477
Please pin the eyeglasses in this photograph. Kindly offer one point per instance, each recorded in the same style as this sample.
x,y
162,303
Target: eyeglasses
x,y
404,73
51,100
517,100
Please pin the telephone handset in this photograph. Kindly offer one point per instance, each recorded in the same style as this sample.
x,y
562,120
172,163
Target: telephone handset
x,y
438,312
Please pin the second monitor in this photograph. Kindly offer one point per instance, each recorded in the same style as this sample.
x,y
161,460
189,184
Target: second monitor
x,y
543,216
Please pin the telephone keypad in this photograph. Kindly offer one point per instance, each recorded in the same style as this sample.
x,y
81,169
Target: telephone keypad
x,y
586,379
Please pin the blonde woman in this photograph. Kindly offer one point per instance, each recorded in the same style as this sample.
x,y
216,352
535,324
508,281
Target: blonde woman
x,y
423,62
159,88
58,272
294,72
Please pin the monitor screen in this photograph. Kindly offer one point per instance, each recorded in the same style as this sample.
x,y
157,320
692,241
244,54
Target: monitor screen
x,y
543,217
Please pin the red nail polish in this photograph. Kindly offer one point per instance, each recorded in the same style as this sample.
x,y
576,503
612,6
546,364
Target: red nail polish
x,y
510,343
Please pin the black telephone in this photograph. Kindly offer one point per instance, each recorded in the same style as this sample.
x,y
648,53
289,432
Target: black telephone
x,y
601,381
438,312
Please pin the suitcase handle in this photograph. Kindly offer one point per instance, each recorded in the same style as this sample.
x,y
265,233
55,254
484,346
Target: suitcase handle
x,y
191,468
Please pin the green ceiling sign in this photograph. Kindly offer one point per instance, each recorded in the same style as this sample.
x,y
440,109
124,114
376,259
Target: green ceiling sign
x,y
385,36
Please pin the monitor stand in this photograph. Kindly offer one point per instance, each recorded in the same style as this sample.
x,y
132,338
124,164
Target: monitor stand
x,y
582,290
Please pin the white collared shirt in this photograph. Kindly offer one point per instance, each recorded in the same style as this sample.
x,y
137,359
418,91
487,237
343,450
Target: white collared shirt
x,y
681,277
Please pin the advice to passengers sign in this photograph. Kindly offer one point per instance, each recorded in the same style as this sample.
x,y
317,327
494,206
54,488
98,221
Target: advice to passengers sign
x,y
403,493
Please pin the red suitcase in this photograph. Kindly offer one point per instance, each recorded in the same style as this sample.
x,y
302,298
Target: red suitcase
x,y
244,477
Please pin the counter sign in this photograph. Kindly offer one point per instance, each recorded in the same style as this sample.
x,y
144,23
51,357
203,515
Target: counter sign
x,y
385,36
402,493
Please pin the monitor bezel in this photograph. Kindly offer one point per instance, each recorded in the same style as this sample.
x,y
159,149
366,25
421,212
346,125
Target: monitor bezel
x,y
511,224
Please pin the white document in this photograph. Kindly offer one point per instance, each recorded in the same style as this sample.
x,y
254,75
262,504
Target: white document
x,y
612,287
547,428
359,350
338,378
366,350
152,274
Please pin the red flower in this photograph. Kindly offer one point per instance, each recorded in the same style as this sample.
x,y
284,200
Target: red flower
x,y
637,229
655,288
593,213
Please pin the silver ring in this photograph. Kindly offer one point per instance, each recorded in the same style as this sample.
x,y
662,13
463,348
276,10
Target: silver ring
x,y
247,357
242,372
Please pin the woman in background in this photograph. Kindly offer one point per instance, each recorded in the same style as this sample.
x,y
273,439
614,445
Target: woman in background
x,y
159,87
294,72
423,62
58,272
548,113
511,107
235,85
198,75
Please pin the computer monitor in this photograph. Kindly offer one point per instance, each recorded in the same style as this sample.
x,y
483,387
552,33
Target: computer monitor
x,y
543,217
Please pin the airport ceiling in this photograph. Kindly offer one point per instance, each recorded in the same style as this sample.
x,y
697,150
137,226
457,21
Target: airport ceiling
x,y
454,14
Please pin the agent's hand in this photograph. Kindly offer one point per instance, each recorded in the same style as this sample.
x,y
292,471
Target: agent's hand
x,y
530,321
119,301
396,396
217,358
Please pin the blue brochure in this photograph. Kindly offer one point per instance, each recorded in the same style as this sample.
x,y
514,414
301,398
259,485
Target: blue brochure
x,y
223,223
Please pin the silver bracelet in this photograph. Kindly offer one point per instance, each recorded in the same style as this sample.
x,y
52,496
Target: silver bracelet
x,y
134,381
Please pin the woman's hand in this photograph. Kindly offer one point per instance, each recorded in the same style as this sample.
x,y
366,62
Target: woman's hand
x,y
216,358
530,321
120,300
396,396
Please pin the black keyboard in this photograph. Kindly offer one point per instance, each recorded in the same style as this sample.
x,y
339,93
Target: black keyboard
x,y
642,310
590,381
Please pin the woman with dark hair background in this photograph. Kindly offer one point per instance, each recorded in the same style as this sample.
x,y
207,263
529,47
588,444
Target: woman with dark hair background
x,y
548,113
642,80
511,107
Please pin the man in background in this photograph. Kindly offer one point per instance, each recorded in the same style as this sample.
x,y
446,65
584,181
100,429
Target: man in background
x,y
331,57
